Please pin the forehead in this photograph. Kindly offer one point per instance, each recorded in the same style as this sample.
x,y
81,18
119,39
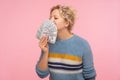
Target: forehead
x,y
55,13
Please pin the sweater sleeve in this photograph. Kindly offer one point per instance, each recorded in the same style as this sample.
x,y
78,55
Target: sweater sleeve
x,y
89,72
41,73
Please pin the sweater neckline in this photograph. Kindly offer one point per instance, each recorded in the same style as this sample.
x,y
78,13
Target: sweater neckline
x,y
66,39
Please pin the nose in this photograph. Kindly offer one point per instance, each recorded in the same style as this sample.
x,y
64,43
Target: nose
x,y
52,19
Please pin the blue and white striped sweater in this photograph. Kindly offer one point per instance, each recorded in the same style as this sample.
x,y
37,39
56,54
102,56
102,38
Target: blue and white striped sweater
x,y
69,59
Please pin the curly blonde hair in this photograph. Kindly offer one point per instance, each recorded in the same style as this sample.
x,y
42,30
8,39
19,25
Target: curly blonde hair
x,y
67,13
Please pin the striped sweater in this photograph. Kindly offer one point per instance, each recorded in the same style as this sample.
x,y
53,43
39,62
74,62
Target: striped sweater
x,y
69,59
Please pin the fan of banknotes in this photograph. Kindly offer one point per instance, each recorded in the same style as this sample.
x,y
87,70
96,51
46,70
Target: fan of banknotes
x,y
49,29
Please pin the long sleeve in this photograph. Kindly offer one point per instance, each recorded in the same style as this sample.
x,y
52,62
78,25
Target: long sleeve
x,y
41,73
88,65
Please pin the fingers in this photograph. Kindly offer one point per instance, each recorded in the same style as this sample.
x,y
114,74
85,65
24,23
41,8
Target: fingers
x,y
43,42
42,39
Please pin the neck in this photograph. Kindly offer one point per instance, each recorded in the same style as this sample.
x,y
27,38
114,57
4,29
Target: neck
x,y
64,34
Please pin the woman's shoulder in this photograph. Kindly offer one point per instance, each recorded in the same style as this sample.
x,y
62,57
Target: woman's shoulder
x,y
78,39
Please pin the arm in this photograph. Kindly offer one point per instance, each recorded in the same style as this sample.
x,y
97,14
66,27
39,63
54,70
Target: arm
x,y
42,64
88,65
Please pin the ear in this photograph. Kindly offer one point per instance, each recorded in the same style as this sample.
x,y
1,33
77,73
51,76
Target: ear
x,y
67,23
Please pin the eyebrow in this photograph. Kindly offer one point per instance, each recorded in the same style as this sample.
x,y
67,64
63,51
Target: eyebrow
x,y
54,15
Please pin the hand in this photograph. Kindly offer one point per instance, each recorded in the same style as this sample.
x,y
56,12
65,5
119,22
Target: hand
x,y
43,44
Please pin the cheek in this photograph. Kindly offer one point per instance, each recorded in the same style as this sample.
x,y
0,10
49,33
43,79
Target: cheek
x,y
60,23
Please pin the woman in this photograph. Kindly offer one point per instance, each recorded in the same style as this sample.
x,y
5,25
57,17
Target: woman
x,y
70,58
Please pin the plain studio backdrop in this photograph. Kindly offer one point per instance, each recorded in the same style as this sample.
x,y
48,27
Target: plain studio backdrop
x,y
98,21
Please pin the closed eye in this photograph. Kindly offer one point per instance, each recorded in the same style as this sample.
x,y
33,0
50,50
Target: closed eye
x,y
55,18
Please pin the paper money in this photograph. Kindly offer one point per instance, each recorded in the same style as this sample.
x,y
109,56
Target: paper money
x,y
49,29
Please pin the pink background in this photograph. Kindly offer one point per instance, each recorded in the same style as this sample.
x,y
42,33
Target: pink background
x,y
98,21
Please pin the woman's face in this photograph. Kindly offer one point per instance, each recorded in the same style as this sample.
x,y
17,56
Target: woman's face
x,y
58,20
